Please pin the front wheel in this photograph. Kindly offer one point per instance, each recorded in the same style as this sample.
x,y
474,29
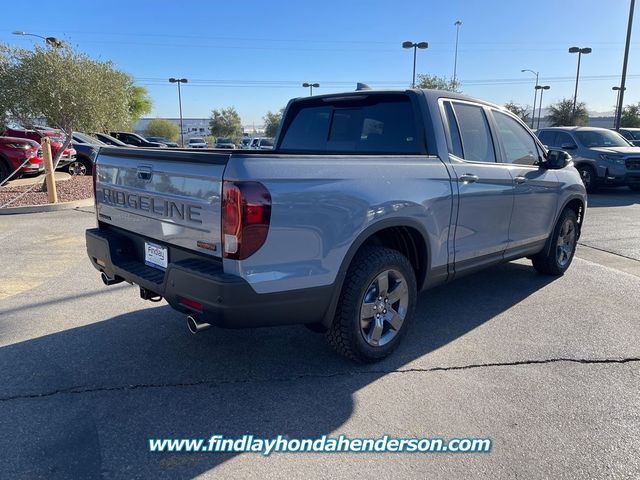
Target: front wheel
x,y
588,176
376,305
79,167
563,246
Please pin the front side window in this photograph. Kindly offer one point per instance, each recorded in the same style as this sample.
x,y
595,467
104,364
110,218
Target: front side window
x,y
477,145
519,147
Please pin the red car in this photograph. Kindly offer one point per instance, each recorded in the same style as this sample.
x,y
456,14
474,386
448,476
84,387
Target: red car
x,y
57,139
14,151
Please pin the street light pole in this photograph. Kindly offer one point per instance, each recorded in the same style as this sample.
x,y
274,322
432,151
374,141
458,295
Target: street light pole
x,y
455,58
624,65
579,51
415,46
179,81
311,86
535,95
51,41
542,88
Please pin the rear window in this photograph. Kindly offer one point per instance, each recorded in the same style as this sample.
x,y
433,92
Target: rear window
x,y
371,124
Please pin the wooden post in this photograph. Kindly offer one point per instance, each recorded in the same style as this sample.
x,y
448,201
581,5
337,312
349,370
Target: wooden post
x,y
50,177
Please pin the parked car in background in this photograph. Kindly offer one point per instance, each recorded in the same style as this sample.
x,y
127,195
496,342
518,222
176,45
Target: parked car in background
x,y
86,148
197,142
602,156
14,151
136,140
245,143
632,135
164,140
262,143
109,140
57,140
227,143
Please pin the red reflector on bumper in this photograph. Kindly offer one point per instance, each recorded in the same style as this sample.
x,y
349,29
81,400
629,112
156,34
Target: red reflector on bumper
x,y
187,302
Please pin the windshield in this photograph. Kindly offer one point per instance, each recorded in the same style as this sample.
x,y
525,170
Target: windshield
x,y
266,142
635,134
82,138
196,140
224,140
597,138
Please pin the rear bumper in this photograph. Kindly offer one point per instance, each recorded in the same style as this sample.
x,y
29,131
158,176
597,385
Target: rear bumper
x,y
227,300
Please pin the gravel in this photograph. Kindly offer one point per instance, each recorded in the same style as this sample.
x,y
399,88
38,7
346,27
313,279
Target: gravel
x,y
76,188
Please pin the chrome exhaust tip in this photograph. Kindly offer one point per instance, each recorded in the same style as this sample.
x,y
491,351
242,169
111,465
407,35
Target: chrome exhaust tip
x,y
107,280
195,326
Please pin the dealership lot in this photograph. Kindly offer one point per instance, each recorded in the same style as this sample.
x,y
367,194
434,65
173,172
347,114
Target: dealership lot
x,y
545,367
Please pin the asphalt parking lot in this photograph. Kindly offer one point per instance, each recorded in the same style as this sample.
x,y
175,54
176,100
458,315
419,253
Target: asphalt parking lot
x,y
548,368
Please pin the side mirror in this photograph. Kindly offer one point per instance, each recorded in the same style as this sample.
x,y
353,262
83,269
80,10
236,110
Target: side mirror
x,y
569,146
556,160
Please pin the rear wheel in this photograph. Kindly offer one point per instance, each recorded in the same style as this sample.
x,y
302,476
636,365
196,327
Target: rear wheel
x,y
588,176
79,167
376,305
4,170
563,246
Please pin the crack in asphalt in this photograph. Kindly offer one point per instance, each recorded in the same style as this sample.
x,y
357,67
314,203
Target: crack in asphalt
x,y
608,251
81,390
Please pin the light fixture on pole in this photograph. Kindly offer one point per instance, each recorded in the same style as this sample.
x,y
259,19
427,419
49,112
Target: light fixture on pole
x,y
535,95
310,86
51,41
179,81
457,24
615,114
580,52
415,46
542,88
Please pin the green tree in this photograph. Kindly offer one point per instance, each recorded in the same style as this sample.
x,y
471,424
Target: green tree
x,y
630,117
159,127
69,90
272,122
560,114
226,123
521,111
437,83
139,102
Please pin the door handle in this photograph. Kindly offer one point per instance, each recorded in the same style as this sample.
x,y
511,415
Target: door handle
x,y
520,179
469,178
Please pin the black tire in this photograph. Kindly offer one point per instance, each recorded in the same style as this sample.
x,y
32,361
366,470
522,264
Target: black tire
x,y
346,334
589,177
635,188
551,263
75,167
4,170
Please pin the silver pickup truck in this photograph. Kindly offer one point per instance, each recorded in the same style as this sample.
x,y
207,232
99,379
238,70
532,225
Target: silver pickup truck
x,y
367,199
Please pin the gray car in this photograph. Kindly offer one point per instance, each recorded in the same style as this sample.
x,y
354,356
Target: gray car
x,y
632,135
602,156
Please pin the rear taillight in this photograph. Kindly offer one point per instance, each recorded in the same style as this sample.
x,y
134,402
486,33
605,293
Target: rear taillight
x,y
94,174
246,213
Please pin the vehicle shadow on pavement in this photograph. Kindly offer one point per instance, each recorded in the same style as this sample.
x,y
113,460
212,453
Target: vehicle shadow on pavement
x,y
83,403
613,197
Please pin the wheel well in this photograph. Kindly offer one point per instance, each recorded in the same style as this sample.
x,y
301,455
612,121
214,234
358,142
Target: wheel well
x,y
578,207
408,241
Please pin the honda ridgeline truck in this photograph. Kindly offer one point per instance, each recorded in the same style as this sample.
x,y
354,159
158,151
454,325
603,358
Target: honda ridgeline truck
x,y
368,198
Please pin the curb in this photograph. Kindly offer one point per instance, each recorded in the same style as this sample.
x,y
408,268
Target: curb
x,y
47,207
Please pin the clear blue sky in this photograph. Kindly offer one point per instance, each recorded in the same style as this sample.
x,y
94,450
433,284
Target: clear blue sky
x,y
254,54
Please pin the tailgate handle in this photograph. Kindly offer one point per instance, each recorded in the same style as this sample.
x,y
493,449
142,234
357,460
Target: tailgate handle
x,y
145,173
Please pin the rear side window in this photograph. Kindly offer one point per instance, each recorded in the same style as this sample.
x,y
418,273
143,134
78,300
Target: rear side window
x,y
376,124
477,145
548,138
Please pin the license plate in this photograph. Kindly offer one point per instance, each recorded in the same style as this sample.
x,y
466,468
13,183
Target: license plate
x,y
156,256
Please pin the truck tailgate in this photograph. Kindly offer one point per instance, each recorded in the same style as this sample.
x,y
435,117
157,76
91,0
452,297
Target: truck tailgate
x,y
172,196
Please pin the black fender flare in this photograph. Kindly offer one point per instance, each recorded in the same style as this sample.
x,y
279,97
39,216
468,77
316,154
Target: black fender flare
x,y
547,244
360,240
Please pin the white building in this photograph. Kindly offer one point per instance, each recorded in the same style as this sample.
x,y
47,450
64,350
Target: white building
x,y
195,127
